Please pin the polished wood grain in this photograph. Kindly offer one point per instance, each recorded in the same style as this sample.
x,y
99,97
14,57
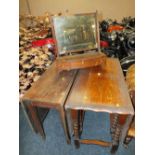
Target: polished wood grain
x,y
131,131
95,142
52,88
130,78
101,88
80,61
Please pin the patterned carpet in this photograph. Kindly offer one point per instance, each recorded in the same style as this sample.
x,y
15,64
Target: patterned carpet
x,y
96,125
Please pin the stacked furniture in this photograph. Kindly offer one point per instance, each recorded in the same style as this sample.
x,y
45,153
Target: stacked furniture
x,y
80,79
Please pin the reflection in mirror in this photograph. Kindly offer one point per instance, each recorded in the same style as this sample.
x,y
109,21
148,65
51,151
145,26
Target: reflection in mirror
x,y
75,33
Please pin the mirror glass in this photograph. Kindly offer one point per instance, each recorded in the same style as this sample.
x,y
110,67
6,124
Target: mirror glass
x,y
75,33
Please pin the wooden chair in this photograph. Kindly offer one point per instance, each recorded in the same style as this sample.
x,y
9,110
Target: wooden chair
x,y
130,79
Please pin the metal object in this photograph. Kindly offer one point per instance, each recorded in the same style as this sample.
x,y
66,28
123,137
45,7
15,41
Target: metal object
x,y
120,36
126,63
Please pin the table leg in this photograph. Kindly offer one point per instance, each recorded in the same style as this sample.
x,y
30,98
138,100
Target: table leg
x,y
127,141
63,118
77,118
115,132
35,117
82,113
28,117
75,114
116,137
114,122
126,127
119,129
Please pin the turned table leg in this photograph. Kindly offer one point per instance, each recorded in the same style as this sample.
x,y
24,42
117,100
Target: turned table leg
x,y
114,119
125,138
115,133
75,114
82,113
115,140
127,141
119,127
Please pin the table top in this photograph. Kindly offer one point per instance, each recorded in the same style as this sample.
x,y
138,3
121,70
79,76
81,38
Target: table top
x,y
101,89
52,87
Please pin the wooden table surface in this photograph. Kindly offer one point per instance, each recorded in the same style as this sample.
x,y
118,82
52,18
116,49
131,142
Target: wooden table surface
x,y
52,87
101,89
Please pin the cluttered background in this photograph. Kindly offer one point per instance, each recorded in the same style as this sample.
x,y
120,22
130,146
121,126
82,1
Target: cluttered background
x,y
37,46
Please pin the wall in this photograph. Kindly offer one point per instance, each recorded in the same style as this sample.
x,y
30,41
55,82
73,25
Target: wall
x,y
114,9
23,8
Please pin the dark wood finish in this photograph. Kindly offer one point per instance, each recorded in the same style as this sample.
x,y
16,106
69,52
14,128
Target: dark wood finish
x,y
28,117
117,123
64,124
127,141
80,61
81,57
50,91
52,87
131,131
82,114
130,134
76,127
114,121
132,95
115,132
35,117
102,89
130,80
42,112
